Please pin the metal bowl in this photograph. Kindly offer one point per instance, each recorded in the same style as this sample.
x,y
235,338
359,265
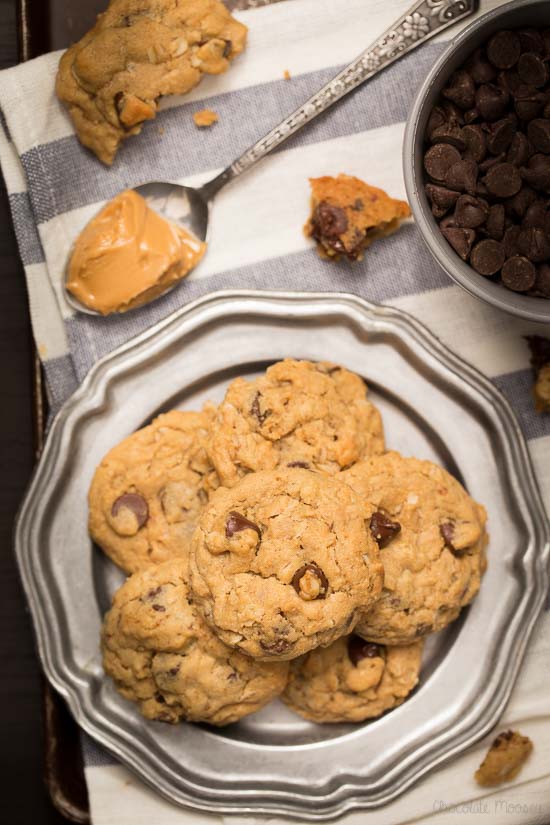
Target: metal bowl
x,y
516,14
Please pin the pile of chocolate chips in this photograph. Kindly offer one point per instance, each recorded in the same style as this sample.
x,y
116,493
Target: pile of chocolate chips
x,y
488,161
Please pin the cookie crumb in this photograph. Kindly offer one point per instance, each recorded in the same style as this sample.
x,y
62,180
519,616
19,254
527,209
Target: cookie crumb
x,y
287,75
540,361
504,759
205,118
161,130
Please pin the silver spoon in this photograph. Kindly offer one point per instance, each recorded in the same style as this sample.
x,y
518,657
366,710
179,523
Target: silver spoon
x,y
190,207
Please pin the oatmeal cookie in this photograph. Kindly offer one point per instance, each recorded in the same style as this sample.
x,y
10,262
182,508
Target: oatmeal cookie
x,y
352,680
139,51
432,540
347,215
504,759
161,654
298,414
282,563
147,492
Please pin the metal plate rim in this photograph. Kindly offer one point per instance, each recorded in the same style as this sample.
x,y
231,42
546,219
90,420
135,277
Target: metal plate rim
x,y
344,798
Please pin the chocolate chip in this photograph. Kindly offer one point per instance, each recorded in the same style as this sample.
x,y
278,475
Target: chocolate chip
x,y
439,159
518,205
227,48
462,176
487,257
279,646
303,464
531,40
491,101
538,133
310,583
528,102
500,135
437,118
454,114
383,529
236,523
511,237
504,49
495,222
359,649
461,90
449,133
447,530
532,69
518,274
533,244
476,143
470,212
135,503
503,180
332,221
440,196
542,281
460,239
471,115
537,173
536,215
491,161
159,608
479,68
256,411
160,698
519,150
509,80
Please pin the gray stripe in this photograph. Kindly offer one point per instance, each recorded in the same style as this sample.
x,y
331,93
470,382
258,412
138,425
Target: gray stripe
x,y
518,389
94,755
61,381
379,277
28,239
63,176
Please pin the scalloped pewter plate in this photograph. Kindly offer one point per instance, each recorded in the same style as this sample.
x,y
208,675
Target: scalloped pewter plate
x,y
434,406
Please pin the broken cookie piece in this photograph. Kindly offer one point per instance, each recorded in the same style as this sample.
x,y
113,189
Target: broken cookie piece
x,y
112,80
347,215
504,759
205,118
540,361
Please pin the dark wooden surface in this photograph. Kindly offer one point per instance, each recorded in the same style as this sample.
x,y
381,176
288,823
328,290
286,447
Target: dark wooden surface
x,y
24,799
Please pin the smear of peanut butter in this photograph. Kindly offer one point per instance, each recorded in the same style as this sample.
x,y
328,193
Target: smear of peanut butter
x,y
128,254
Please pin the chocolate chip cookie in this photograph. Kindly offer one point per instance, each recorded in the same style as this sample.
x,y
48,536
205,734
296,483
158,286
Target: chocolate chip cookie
x,y
139,51
161,654
147,492
352,680
432,541
283,562
299,414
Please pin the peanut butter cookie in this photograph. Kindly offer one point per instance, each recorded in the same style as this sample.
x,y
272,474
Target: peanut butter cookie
x,y
161,654
299,414
432,540
147,492
282,563
347,215
139,51
352,680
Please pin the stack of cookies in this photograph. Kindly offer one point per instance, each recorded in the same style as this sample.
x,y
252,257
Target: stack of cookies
x,y
276,549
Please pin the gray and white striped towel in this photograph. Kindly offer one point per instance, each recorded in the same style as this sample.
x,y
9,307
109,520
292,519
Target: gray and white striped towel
x,y
55,186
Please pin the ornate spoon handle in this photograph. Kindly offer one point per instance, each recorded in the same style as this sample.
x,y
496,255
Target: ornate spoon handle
x,y
424,19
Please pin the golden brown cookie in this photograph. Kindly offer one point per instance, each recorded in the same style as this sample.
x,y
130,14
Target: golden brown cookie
x,y
147,492
139,51
298,414
161,654
282,563
504,759
347,215
352,680
432,543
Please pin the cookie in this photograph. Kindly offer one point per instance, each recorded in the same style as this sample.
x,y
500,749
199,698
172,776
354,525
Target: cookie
x,y
504,759
432,543
298,414
352,680
347,215
111,81
147,492
282,563
162,656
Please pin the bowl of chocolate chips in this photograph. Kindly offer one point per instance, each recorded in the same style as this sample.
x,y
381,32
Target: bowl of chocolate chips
x,y
477,159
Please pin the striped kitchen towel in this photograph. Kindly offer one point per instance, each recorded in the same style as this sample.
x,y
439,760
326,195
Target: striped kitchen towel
x,y
55,186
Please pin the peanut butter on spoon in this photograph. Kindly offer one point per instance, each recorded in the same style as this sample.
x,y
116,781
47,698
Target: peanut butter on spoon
x,y
128,254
